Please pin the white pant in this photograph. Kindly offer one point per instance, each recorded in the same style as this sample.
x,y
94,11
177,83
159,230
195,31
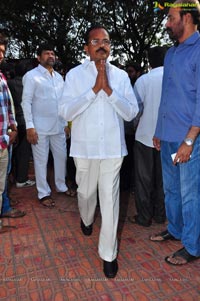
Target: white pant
x,y
57,145
3,172
91,173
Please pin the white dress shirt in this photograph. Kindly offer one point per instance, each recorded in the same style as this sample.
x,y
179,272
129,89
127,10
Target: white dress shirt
x,y
41,93
97,119
148,92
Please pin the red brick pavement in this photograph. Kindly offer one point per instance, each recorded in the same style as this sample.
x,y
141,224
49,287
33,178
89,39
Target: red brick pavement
x,y
48,259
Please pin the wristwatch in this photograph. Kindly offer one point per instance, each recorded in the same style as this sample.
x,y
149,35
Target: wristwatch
x,y
189,141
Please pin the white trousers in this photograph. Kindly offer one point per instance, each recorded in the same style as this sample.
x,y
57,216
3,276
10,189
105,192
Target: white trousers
x,y
57,145
3,172
104,174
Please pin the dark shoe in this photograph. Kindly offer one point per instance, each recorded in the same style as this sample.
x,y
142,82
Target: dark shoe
x,y
13,213
87,230
180,257
135,220
163,236
110,268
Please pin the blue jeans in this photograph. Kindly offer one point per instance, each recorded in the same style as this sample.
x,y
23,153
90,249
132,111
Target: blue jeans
x,y
182,195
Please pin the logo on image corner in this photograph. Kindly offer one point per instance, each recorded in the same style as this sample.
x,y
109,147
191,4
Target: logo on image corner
x,y
158,6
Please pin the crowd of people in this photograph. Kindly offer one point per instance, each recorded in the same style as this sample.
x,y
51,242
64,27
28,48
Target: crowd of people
x,y
104,111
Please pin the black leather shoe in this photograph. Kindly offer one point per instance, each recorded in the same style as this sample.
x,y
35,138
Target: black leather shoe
x,y
110,268
87,230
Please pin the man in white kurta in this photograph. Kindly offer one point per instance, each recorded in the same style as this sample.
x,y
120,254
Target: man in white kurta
x,y
42,89
97,97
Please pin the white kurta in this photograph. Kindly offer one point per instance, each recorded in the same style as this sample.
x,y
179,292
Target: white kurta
x,y
148,92
41,93
98,144
97,120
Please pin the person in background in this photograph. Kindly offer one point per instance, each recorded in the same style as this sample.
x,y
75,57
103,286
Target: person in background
x,y
42,89
149,195
8,127
22,151
8,205
177,132
134,70
71,168
97,97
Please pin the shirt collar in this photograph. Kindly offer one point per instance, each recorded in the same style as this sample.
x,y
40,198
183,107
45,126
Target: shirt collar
x,y
44,70
191,40
88,63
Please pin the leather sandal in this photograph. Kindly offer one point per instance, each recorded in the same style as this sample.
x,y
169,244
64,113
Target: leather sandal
x,y
180,257
162,236
47,202
13,213
7,228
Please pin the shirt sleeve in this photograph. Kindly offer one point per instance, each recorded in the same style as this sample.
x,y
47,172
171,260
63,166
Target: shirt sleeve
x,y
71,106
124,101
139,90
27,98
11,110
196,116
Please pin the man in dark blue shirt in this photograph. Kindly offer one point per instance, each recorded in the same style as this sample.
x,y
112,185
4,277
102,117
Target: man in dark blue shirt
x,y
177,132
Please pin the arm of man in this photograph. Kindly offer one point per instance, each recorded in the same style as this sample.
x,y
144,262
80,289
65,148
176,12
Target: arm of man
x,y
156,143
27,98
71,105
184,151
12,132
123,99
102,79
139,90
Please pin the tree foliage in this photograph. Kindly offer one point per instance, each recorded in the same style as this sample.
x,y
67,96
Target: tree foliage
x,y
133,26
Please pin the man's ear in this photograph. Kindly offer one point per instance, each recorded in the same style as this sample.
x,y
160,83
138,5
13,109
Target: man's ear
x,y
86,49
188,18
38,58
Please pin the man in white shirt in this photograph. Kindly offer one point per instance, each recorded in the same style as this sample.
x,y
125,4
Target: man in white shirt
x,y
42,88
149,195
97,97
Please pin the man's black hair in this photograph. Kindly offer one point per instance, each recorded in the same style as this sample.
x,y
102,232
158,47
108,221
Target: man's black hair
x,y
156,56
134,65
44,47
92,27
190,7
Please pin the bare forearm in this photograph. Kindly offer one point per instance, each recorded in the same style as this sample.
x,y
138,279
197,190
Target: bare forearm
x,y
193,132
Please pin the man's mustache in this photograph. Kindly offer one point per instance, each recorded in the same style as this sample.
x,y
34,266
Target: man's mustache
x,y
101,49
